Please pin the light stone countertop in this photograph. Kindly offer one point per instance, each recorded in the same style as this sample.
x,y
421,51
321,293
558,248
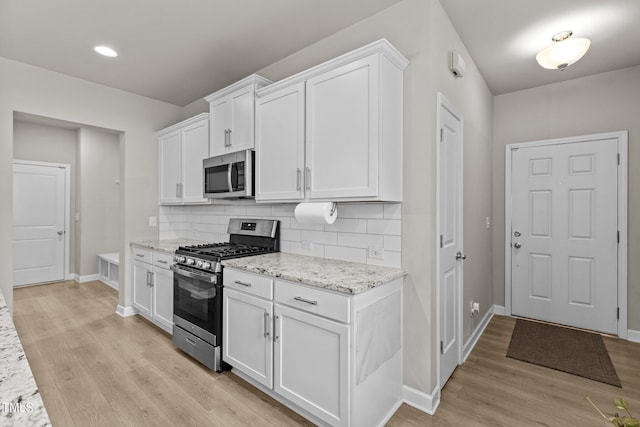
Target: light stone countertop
x,y
335,275
169,246
20,400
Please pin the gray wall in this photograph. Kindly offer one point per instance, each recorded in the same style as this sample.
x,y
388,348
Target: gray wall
x,y
40,92
600,103
99,199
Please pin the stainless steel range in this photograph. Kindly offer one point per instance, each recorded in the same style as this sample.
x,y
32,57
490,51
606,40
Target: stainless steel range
x,y
197,285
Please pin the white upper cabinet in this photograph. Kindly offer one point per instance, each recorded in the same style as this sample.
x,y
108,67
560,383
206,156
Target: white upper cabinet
x,y
232,114
280,144
344,119
182,148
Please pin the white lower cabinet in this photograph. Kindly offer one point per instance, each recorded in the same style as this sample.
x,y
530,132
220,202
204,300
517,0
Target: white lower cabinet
x,y
303,345
153,287
312,363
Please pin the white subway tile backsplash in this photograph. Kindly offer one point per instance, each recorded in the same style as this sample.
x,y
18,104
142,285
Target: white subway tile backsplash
x,y
391,259
392,211
361,210
393,243
384,226
360,240
359,227
283,210
322,237
348,225
345,254
316,249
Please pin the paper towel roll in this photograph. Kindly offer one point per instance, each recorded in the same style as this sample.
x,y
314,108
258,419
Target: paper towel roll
x,y
316,213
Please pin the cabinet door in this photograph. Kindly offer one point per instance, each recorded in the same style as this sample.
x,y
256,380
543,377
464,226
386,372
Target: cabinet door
x,y
141,287
312,363
170,153
163,298
219,123
247,344
195,148
280,145
241,123
342,131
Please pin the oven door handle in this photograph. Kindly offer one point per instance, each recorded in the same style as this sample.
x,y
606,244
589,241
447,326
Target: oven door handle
x,y
212,278
229,183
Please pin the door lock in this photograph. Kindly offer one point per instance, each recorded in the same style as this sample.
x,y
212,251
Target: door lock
x,y
459,256
517,245
517,233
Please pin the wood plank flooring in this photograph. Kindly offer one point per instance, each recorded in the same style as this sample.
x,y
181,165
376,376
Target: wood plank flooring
x,y
95,368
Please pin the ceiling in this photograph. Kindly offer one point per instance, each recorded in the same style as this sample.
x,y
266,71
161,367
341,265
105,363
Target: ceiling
x,y
175,51
179,51
504,36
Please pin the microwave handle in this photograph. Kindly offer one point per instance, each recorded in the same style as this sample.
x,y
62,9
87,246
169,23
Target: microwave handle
x,y
229,176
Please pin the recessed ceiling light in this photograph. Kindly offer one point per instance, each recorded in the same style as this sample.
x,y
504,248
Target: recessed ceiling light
x,y
106,51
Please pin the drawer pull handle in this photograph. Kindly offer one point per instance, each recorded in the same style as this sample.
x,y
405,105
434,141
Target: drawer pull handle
x,y
238,282
190,341
305,300
162,262
140,255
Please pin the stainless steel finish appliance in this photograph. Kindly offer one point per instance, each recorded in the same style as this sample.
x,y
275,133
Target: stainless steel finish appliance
x,y
197,286
229,176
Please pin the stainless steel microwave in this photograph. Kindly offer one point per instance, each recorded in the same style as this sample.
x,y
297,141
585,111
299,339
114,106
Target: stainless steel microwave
x,y
230,175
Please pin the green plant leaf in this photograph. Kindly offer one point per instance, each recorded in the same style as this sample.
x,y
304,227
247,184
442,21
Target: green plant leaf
x,y
630,422
621,403
617,422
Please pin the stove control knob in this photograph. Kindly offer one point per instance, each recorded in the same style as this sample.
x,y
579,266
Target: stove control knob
x,y
206,265
190,261
180,258
199,264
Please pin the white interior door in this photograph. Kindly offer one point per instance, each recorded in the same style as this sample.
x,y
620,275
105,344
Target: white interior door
x,y
564,233
450,229
38,223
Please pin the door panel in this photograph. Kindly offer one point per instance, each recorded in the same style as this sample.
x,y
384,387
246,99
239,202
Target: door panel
x,y
450,224
564,233
38,223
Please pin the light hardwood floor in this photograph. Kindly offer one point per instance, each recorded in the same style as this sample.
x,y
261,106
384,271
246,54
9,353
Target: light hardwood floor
x,y
96,368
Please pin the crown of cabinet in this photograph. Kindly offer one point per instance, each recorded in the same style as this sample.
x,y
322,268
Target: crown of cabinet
x,y
232,114
381,47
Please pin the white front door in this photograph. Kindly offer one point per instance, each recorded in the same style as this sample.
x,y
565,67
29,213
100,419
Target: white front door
x,y
38,223
450,230
564,233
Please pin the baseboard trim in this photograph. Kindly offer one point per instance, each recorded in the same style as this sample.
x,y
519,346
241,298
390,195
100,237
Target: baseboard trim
x,y
113,285
633,336
475,336
123,311
85,279
499,310
421,400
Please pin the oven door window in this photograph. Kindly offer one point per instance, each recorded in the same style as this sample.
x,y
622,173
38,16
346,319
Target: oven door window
x,y
237,176
216,179
194,301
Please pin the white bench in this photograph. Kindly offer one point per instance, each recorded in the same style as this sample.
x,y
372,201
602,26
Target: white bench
x,y
109,268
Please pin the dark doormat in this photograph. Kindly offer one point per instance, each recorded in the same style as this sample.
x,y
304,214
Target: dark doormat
x,y
567,350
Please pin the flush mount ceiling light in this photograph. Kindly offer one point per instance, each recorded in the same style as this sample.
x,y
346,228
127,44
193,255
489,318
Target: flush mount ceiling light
x,y
563,52
105,51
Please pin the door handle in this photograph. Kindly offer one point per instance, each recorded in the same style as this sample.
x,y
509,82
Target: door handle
x,y
60,233
298,179
460,256
517,245
307,178
266,322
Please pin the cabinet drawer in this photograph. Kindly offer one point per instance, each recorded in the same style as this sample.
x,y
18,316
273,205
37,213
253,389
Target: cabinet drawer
x,y
250,283
313,300
143,255
162,260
